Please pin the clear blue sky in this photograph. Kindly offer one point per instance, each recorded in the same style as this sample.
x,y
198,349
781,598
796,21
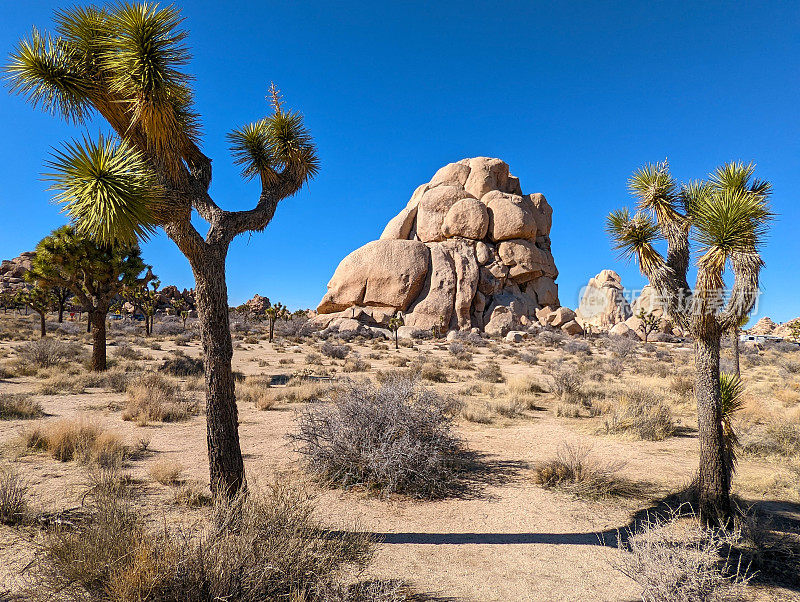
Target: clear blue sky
x,y
574,96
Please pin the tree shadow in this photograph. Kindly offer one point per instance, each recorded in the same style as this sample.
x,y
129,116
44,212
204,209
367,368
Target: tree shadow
x,y
475,471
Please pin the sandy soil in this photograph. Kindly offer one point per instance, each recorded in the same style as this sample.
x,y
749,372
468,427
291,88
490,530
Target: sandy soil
x,y
510,539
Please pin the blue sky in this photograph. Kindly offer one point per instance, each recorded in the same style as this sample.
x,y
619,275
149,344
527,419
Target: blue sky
x,y
574,96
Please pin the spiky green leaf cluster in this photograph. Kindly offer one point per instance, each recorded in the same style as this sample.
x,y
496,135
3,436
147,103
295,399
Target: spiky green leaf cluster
x,y
274,144
634,236
107,188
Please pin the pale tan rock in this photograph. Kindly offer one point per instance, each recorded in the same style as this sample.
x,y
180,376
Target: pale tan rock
x,y
467,218
602,302
500,322
484,253
435,302
382,273
486,174
510,216
572,328
623,330
544,312
433,207
545,290
561,316
462,255
543,213
526,261
452,174
515,336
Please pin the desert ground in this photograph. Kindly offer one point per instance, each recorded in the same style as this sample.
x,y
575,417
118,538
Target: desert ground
x,y
508,534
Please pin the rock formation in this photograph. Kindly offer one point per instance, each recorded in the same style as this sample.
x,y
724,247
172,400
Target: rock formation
x,y
603,304
469,250
12,272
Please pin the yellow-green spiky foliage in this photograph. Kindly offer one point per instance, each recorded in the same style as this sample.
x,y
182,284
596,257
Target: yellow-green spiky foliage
x,y
126,63
731,401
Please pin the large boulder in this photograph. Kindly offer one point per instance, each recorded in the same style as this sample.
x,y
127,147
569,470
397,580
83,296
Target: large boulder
x,y
388,273
603,303
469,250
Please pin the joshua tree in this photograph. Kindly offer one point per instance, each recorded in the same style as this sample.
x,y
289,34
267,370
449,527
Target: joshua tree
x,y
274,313
181,309
96,273
39,300
649,323
61,294
142,298
794,331
395,322
124,63
727,216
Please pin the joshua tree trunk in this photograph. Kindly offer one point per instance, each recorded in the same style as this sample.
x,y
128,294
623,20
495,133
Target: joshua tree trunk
x,y
97,320
271,329
88,319
42,325
60,312
396,344
735,350
222,425
713,482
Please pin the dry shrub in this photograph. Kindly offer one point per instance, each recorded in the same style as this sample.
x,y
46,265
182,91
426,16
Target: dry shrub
x,y
46,352
263,546
568,410
152,397
640,413
127,351
576,471
396,438
477,412
13,497
258,391
191,494
167,472
621,347
674,562
398,361
510,406
80,440
64,383
182,365
778,438
565,382
19,406
356,365
333,350
314,359
490,372
682,385
300,390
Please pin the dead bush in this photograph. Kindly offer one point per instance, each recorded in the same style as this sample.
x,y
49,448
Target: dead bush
x,y
621,347
675,562
396,438
182,365
152,397
640,413
575,471
682,385
13,497
127,351
490,372
264,546
356,365
19,406
778,438
46,352
333,350
565,382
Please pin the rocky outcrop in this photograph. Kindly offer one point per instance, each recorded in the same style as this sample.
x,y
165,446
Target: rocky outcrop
x,y
12,272
258,304
603,304
765,326
469,250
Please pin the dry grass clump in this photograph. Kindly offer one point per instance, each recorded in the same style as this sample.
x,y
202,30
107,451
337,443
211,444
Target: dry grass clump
x,y
258,391
575,471
191,494
13,497
313,358
396,438
426,368
167,471
356,364
621,347
777,438
565,382
681,385
19,406
80,440
477,412
639,412
681,562
127,351
490,372
152,397
46,352
182,365
263,546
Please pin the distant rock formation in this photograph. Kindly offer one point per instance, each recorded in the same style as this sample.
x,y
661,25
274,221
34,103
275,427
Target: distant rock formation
x,y
258,304
12,272
603,304
469,250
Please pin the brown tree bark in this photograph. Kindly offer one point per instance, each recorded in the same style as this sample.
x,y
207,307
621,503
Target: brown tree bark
x,y
222,423
97,319
42,325
735,349
713,481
